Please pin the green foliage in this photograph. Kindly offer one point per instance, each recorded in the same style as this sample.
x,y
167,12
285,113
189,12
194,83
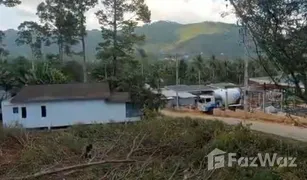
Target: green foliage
x,y
7,80
44,73
10,3
73,70
278,28
193,30
117,32
79,8
17,73
161,73
161,39
62,25
12,131
165,144
32,34
3,52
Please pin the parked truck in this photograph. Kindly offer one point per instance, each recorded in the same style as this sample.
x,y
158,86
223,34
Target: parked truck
x,y
206,103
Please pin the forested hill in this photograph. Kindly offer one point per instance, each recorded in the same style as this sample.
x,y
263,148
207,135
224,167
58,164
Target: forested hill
x,y
163,38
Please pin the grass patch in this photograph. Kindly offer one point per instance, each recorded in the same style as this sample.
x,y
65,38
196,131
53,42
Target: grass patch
x,y
164,148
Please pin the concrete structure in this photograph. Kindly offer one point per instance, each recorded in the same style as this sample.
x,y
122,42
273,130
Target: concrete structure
x,y
191,88
184,98
68,104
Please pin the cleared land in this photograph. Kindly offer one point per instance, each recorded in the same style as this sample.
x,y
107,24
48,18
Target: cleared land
x,y
294,132
155,148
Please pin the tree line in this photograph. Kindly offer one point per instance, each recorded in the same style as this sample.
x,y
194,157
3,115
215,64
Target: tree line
x,y
278,31
63,22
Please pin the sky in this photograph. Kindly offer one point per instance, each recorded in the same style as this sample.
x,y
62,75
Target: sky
x,y
181,11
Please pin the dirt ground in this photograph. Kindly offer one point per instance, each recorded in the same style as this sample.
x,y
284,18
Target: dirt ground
x,y
280,129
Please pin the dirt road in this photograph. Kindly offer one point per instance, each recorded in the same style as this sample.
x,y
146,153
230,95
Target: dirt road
x,y
297,133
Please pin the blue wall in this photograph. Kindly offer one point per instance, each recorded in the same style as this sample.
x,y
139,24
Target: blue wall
x,y
63,113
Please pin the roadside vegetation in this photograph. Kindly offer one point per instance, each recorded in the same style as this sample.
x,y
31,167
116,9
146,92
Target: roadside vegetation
x,y
155,148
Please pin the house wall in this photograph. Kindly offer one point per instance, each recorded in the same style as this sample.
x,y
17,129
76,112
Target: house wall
x,y
64,113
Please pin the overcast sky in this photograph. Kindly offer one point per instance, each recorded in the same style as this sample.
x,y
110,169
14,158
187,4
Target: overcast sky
x,y
182,11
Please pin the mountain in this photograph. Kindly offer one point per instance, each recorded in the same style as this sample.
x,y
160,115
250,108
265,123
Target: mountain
x,y
163,38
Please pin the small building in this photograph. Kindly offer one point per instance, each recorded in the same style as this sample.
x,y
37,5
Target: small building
x,y
67,104
184,98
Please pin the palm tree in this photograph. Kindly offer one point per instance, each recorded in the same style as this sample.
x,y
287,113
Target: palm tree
x,y
198,63
143,55
44,73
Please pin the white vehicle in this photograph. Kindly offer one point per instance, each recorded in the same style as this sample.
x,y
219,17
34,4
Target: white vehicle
x,y
234,95
207,103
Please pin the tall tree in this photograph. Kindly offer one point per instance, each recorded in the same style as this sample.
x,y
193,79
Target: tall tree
x,y
182,68
3,51
118,32
198,62
279,31
32,34
79,8
143,55
62,24
7,80
7,3
10,3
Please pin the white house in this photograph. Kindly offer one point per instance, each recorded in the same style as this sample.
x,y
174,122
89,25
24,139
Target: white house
x,y
67,104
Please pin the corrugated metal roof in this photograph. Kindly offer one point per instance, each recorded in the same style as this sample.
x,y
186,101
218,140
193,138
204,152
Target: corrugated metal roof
x,y
223,85
190,88
78,91
171,93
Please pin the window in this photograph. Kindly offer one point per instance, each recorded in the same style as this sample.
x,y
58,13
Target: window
x,y
15,110
132,110
201,101
43,110
23,112
208,100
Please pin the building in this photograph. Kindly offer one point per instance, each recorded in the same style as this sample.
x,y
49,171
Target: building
x,y
217,90
269,83
184,98
67,104
191,88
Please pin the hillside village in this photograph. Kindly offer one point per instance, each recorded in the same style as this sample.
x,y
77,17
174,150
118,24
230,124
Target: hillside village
x,y
160,100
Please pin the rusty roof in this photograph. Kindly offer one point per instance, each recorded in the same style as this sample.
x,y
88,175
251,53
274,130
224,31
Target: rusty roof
x,y
54,92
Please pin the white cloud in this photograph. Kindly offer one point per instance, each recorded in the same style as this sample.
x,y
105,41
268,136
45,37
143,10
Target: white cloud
x,y
182,11
189,11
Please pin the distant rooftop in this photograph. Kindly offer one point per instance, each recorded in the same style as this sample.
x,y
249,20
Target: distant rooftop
x,y
190,88
171,93
77,91
282,81
223,85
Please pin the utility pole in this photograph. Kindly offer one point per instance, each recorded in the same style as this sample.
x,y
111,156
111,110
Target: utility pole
x,y
177,70
199,73
177,80
246,85
245,44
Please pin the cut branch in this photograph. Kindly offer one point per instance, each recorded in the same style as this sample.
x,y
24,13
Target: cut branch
x,y
71,168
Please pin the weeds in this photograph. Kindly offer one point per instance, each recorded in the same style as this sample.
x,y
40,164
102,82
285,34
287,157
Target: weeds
x,y
163,148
